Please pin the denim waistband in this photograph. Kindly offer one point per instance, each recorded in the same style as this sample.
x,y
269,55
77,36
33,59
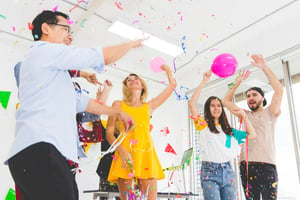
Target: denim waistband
x,y
213,164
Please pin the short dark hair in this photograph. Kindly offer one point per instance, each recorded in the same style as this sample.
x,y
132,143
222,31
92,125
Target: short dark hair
x,y
260,91
47,16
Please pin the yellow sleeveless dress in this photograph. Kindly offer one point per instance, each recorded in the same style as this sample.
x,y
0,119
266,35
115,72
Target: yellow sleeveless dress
x,y
140,144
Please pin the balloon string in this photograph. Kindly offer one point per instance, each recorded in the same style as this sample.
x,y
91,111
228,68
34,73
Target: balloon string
x,y
247,161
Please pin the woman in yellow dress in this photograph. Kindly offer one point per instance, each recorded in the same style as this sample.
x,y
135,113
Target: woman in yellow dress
x,y
136,158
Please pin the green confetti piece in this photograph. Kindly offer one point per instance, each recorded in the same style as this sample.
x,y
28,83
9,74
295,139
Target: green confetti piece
x,y
152,188
11,195
129,164
4,98
3,16
82,22
231,85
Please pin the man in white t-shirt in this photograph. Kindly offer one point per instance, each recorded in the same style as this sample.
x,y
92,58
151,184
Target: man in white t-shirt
x,y
260,177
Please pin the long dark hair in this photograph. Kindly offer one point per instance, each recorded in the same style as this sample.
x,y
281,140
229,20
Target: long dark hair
x,y
210,119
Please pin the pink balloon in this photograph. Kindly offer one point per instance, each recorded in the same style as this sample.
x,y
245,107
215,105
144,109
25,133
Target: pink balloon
x,y
224,65
156,64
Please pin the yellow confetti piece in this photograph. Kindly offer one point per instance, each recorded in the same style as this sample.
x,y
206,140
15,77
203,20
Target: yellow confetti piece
x,y
274,184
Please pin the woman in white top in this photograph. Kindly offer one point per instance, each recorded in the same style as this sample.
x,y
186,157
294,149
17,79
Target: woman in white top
x,y
219,144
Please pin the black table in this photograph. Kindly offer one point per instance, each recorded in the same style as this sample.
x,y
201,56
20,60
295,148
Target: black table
x,y
111,195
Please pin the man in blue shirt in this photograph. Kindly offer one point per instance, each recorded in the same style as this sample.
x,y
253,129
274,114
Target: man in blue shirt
x,y
46,133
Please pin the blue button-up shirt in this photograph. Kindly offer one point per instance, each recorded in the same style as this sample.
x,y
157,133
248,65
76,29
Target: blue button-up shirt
x,y
48,103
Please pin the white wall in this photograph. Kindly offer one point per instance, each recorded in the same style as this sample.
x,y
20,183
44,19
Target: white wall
x,y
8,56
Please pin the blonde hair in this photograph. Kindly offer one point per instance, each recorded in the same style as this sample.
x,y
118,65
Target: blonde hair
x,y
126,93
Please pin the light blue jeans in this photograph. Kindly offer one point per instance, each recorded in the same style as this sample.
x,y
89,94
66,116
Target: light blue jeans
x,y
218,181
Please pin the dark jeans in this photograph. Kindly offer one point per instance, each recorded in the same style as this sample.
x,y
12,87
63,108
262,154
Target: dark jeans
x,y
41,172
262,180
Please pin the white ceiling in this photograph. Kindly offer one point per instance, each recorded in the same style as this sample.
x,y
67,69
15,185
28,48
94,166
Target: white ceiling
x,y
210,27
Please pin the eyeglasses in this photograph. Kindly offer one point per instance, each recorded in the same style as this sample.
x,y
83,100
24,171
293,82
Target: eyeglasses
x,y
66,26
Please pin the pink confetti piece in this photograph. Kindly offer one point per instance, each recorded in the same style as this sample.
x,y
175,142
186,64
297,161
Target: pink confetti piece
x,y
118,5
135,21
70,21
165,131
133,141
75,6
55,8
30,26
13,28
170,149
168,28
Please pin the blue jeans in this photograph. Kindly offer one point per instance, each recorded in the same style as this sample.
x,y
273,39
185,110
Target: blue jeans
x,y
218,181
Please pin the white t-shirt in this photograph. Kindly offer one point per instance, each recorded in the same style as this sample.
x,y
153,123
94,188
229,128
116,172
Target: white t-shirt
x,y
218,147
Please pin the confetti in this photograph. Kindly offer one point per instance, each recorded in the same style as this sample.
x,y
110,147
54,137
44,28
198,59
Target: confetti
x,y
55,8
174,64
133,141
30,26
181,93
135,21
70,21
170,149
75,6
165,131
183,40
81,24
2,16
118,5
4,98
